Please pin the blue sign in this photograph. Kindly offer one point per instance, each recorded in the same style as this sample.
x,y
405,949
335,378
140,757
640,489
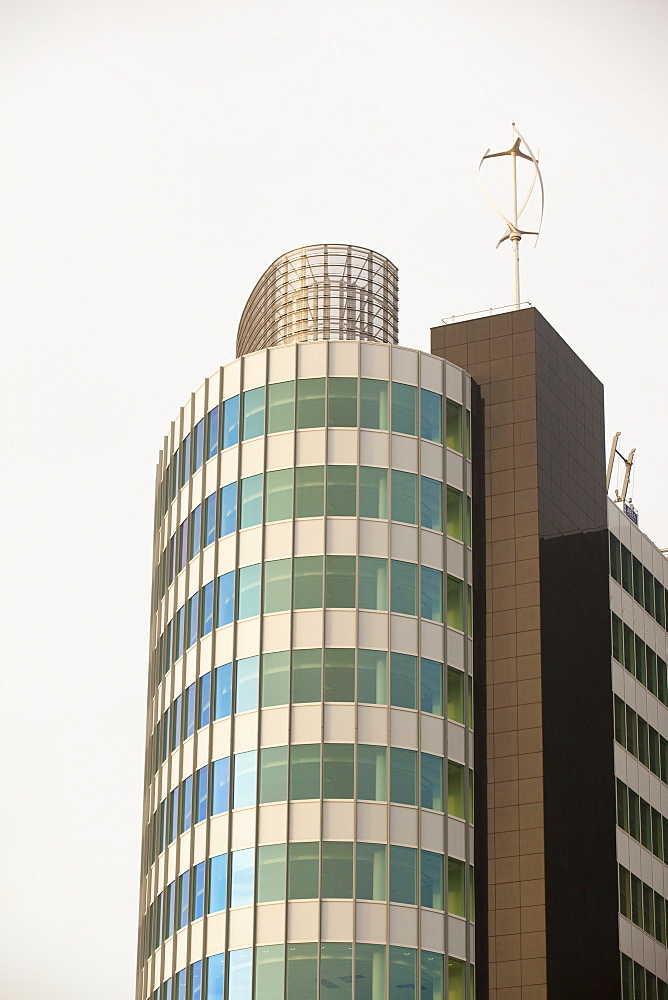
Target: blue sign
x,y
631,513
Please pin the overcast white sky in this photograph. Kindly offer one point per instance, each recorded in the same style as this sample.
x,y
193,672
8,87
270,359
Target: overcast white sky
x,y
155,157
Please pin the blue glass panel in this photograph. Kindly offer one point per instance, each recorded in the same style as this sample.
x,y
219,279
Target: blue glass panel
x,y
184,899
403,974
215,977
231,422
220,786
202,793
212,432
158,921
207,608
225,609
204,713
217,883
180,632
175,474
167,989
431,686
249,591
186,460
180,989
431,504
171,565
223,694
199,880
243,877
245,780
190,711
198,447
176,722
195,531
171,909
186,803
403,875
173,814
210,519
240,981
193,620
431,594
248,674
228,510
431,416
196,981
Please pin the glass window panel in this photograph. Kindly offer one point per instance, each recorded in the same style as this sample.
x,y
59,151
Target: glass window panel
x,y
339,771
340,582
339,675
455,603
184,899
342,402
404,408
342,490
199,881
217,883
274,774
403,776
302,977
223,694
431,880
220,786
432,984
371,877
186,803
403,973
249,591
231,422
637,581
403,587
373,492
277,584
170,910
215,977
243,877
307,582
431,781
372,773
176,722
271,870
303,871
269,970
207,609
455,513
373,404
245,779
253,413
370,972
195,531
456,979
404,497
193,620
455,789
310,402
372,676
431,686
310,491
280,407
210,519
431,504
196,981
202,792
204,701
276,678
306,675
649,592
198,445
228,509
251,501
453,425
431,594
186,460
373,583
212,432
337,870
183,544
279,495
180,985
305,771
456,887
403,875
336,970
240,981
627,583
431,410
403,680
225,603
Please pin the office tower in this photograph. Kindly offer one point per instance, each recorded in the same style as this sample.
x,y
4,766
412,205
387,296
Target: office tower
x,y
309,796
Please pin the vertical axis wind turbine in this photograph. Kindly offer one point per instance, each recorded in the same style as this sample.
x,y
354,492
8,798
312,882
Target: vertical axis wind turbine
x,y
514,233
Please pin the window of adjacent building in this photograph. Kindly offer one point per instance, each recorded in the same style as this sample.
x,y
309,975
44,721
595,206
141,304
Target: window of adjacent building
x,y
431,686
341,490
403,680
309,491
404,408
337,870
403,583
271,874
306,675
431,416
431,782
372,676
404,497
431,594
278,495
280,407
342,402
403,877
372,583
372,773
403,776
453,425
338,771
308,581
373,492
212,432
303,870
431,504
371,880
305,771
339,674
275,678
277,585
248,602
373,404
231,422
245,779
228,510
274,774
310,402
217,883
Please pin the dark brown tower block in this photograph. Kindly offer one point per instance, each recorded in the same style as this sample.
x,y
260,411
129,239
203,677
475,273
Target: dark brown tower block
x,y
543,705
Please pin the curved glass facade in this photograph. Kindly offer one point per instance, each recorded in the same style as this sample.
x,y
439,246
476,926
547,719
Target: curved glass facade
x,y
308,802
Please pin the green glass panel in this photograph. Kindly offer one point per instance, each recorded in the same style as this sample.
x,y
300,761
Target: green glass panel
x,y
372,676
404,587
337,870
269,972
302,976
274,774
306,675
278,504
342,402
277,581
271,868
275,678
342,490
339,675
310,402
248,603
251,501
431,880
370,976
454,513
340,582
310,491
373,404
404,497
453,425
336,970
305,771
339,771
456,887
403,776
403,972
281,407
373,583
403,875
455,603
455,789
253,419
404,408
373,492
432,981
303,871
371,773
308,582
371,872
403,680
456,979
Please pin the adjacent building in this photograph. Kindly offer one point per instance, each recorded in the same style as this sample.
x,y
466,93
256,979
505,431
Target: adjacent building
x,y
387,758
